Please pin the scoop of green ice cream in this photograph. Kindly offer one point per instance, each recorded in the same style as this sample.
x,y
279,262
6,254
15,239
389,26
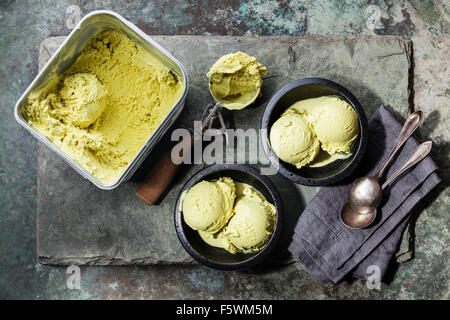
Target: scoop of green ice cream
x,y
218,240
84,98
235,80
251,226
334,121
293,140
208,205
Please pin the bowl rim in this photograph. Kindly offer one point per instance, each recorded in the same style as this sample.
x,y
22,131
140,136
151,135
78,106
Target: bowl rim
x,y
259,256
284,170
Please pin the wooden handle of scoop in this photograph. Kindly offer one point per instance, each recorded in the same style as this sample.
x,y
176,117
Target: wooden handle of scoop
x,y
161,175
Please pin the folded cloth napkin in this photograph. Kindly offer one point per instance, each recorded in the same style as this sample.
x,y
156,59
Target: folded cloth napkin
x,y
329,249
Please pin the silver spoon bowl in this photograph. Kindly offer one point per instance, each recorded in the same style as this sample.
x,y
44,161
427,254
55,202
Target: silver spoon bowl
x,y
365,193
356,220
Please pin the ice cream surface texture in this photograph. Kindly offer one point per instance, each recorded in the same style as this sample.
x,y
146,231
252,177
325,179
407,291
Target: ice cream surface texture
x,y
105,106
246,230
335,122
253,222
329,119
83,99
208,205
235,80
293,140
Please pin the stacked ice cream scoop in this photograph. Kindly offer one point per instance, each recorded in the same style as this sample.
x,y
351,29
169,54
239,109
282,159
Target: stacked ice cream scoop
x,y
229,215
315,132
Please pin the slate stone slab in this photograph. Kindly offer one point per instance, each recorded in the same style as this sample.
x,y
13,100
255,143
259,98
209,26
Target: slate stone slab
x,y
80,224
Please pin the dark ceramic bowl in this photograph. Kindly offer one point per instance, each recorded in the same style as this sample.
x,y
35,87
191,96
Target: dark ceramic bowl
x,y
218,258
305,89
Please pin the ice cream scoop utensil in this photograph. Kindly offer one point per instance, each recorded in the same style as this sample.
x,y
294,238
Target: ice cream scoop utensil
x,y
212,114
356,220
219,106
365,193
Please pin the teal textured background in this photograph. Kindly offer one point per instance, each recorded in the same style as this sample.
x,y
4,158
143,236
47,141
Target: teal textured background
x,y
25,24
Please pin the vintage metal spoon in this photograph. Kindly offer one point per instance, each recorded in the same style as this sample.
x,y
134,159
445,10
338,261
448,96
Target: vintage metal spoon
x,y
356,220
365,193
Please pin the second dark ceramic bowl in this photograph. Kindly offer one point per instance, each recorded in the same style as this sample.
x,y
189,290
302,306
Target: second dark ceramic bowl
x,y
218,258
305,89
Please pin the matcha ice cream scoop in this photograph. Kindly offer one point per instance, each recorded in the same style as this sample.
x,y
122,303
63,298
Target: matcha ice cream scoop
x,y
315,132
336,126
235,80
218,240
252,224
208,205
247,229
293,140
334,121
84,99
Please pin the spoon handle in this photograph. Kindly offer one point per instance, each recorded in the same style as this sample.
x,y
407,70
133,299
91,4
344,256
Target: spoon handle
x,y
411,124
421,152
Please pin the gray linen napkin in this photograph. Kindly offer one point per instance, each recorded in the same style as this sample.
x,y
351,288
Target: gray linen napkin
x,y
329,249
